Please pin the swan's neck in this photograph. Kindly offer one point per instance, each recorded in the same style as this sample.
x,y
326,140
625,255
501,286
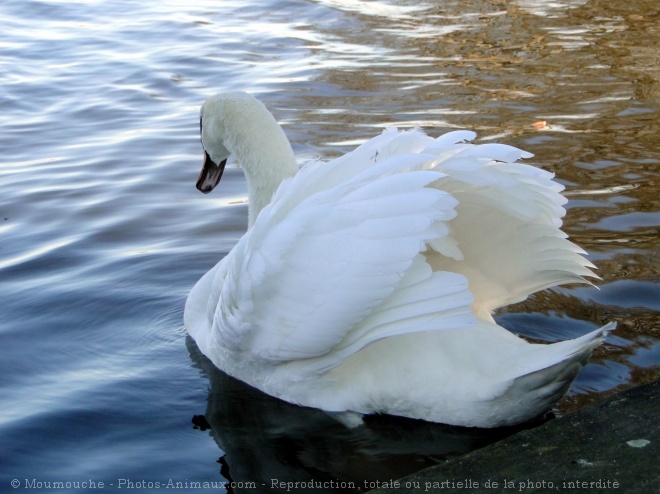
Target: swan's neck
x,y
264,153
264,172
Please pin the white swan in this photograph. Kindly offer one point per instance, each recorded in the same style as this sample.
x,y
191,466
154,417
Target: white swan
x,y
367,283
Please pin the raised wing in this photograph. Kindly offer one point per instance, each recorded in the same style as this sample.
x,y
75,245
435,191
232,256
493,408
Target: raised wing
x,y
326,264
404,234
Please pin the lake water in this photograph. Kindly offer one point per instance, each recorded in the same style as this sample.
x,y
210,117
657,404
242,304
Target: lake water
x,y
102,233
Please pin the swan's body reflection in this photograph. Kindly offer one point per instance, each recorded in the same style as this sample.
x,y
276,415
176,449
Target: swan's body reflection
x,y
265,439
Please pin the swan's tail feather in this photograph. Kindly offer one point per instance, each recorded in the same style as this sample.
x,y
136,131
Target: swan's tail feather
x,y
543,386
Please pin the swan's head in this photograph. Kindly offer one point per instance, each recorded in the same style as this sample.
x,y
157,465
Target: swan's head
x,y
238,124
213,133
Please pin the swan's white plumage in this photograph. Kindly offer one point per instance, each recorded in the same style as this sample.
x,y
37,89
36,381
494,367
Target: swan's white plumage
x,y
367,283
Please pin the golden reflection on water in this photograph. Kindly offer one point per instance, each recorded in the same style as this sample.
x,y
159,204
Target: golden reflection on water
x,y
589,69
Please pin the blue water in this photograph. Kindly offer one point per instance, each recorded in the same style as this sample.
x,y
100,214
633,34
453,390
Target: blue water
x,y
102,233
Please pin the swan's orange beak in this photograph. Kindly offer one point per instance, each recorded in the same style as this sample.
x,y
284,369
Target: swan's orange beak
x,y
210,175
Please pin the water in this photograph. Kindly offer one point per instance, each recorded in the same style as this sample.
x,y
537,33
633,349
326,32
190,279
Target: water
x,y
102,232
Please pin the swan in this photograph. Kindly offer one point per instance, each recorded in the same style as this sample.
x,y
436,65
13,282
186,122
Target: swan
x,y
366,284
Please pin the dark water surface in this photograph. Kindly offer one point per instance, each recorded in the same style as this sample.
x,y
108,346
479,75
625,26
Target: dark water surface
x,y
102,233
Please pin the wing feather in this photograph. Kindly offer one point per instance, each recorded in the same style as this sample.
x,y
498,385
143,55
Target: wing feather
x,y
507,237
